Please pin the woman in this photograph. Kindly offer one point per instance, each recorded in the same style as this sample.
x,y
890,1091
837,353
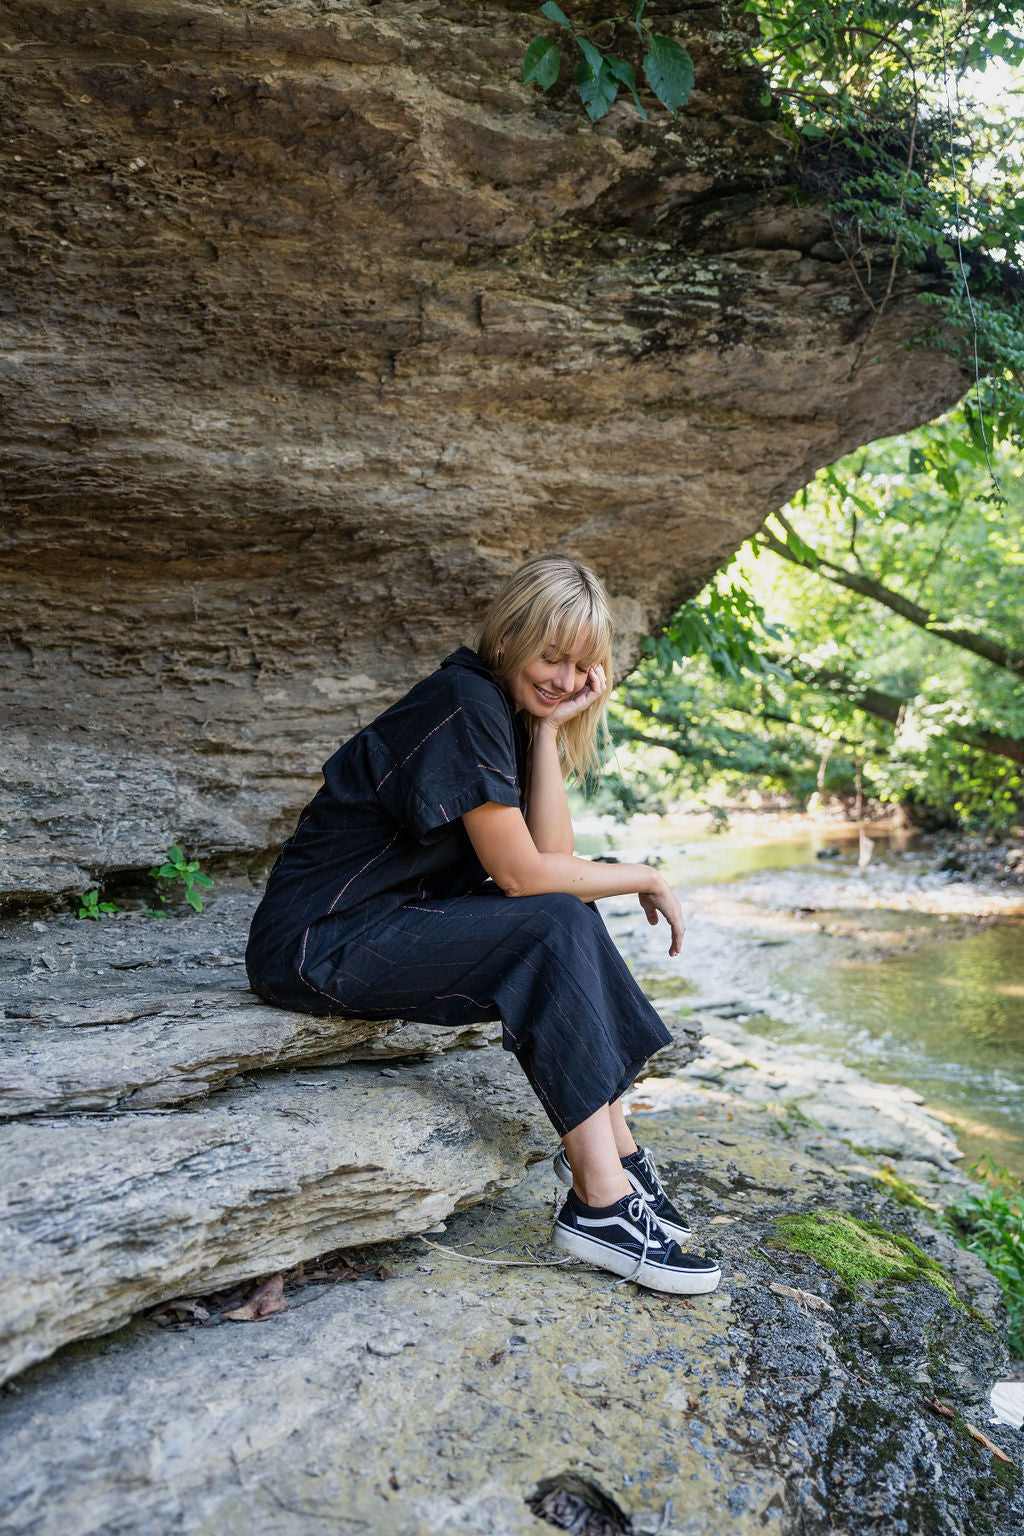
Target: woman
x,y
433,878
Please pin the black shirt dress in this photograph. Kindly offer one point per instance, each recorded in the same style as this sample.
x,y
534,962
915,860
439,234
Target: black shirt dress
x,y
379,908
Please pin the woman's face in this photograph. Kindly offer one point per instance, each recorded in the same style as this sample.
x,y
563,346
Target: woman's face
x,y
541,685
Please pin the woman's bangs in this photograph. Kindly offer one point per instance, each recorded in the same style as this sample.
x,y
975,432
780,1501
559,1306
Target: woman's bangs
x,y
582,634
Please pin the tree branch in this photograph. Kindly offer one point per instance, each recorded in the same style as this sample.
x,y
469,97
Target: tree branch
x,y
995,651
891,708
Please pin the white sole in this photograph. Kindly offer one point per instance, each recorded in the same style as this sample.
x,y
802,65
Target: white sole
x,y
678,1235
654,1276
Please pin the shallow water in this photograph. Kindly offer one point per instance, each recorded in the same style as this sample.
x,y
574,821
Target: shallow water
x,y
893,969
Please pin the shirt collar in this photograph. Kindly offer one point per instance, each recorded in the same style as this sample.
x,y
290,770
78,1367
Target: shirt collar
x,y
464,657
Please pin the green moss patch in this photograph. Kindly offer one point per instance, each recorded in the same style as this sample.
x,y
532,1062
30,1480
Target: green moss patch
x,y
902,1192
859,1251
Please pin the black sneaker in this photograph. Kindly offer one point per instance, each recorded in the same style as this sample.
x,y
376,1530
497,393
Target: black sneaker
x,y
643,1175
626,1238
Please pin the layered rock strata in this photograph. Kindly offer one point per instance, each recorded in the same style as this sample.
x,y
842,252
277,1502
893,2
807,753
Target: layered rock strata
x,y
167,1131
316,321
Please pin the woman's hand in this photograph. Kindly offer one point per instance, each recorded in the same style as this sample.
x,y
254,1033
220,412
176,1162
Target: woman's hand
x,y
662,898
592,692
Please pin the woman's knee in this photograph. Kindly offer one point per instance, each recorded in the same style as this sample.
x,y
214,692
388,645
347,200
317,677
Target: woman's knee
x,y
559,910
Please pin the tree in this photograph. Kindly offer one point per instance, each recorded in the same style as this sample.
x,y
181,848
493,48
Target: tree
x,y
875,637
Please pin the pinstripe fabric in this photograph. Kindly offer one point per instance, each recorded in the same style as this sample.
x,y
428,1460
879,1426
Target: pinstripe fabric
x,y
378,906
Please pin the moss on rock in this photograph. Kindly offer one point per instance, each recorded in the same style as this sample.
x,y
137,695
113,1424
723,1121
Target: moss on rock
x,y
859,1251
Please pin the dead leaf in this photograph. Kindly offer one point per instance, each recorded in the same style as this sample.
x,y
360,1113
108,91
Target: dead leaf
x,y
990,1445
264,1302
722,1221
805,1298
942,1409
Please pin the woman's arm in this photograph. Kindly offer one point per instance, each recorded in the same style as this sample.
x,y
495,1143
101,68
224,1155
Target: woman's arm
x,y
547,805
502,842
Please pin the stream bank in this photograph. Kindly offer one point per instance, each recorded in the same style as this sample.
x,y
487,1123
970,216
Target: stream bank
x,y
438,1393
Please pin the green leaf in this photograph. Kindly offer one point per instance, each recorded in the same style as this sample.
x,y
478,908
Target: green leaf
x,y
917,464
175,854
166,871
542,63
554,12
594,57
194,900
623,72
669,71
597,92
202,879
949,481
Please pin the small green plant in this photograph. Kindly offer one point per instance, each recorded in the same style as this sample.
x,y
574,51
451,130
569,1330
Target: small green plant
x,y
91,906
667,67
178,870
989,1220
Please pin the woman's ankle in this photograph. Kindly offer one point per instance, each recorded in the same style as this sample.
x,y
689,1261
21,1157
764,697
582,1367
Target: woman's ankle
x,y
598,1193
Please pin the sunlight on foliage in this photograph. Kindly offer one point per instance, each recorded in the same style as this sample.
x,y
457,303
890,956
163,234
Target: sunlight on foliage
x,y
868,645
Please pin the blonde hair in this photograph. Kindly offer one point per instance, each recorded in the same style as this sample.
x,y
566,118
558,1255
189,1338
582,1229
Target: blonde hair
x,y
553,602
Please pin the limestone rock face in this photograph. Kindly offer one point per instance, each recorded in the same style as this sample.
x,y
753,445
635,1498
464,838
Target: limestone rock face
x,y
166,1131
107,1216
316,322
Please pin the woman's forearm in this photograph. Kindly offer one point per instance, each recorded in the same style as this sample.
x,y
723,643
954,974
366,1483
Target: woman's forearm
x,y
553,872
547,814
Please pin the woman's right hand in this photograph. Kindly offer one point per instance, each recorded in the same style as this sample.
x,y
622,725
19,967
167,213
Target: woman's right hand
x,y
662,898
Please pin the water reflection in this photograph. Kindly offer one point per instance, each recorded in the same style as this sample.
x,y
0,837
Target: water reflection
x,y
860,965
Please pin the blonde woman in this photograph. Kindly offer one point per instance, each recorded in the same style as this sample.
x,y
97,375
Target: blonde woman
x,y
433,878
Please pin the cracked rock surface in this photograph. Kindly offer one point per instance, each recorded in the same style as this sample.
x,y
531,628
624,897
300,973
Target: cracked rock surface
x,y
439,1399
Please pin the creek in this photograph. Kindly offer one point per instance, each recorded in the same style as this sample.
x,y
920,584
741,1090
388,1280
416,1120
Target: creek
x,y
891,967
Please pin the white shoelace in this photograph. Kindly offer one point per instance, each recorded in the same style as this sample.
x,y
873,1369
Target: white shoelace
x,y
639,1211
649,1166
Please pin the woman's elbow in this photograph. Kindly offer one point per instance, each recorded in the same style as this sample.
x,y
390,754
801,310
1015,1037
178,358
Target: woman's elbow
x,y
520,882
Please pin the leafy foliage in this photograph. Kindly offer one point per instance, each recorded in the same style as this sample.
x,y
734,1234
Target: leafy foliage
x,y
176,870
890,117
783,679
989,1220
893,123
91,906
599,73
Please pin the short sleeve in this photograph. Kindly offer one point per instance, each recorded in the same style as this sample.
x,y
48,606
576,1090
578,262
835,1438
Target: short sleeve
x,y
460,754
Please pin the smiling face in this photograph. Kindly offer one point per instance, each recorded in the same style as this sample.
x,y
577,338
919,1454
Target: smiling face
x,y
542,684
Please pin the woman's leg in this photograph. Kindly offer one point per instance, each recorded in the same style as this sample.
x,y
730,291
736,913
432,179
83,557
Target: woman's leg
x,y
572,1012
624,1143
594,1157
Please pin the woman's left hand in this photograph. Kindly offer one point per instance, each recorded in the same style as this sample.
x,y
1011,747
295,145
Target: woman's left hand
x,y
592,692
662,898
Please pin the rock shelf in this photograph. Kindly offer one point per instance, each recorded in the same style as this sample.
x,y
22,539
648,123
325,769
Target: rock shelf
x,y
445,1396
440,1399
